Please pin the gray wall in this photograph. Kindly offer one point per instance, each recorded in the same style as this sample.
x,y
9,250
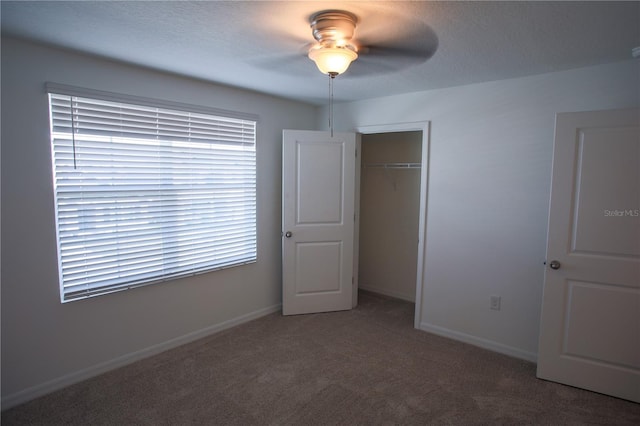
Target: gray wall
x,y
389,211
46,344
488,192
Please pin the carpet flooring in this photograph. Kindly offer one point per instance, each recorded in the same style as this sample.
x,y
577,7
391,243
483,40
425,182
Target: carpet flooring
x,y
367,366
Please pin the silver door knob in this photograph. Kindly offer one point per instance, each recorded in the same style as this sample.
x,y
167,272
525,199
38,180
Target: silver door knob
x,y
554,264
288,234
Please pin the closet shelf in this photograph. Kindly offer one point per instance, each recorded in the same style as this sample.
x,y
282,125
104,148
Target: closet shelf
x,y
394,165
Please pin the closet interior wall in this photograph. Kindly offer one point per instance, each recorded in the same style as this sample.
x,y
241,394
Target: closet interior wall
x,y
389,209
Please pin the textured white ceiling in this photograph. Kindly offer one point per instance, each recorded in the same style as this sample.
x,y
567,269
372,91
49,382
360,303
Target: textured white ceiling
x,y
259,45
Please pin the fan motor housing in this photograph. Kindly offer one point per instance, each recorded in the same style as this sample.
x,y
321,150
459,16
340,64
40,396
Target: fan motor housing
x,y
333,27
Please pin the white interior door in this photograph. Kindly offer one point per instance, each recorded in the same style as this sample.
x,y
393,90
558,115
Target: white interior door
x,y
590,323
318,180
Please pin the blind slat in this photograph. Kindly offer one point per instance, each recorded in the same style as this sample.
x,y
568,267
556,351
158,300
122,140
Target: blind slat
x,y
145,194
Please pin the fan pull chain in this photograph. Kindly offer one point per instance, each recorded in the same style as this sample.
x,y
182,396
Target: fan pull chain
x,y
332,76
331,104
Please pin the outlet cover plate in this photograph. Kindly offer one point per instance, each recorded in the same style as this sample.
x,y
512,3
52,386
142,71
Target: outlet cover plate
x,y
495,303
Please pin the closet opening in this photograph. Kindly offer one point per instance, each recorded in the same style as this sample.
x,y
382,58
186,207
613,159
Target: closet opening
x,y
392,194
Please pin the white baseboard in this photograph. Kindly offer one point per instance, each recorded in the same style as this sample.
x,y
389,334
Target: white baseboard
x,y
386,292
478,341
78,376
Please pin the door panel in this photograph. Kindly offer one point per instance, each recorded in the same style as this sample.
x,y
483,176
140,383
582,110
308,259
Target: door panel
x,y
590,322
593,310
318,267
607,159
324,203
318,181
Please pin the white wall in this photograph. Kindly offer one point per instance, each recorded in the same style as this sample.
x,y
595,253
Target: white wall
x,y
46,344
488,192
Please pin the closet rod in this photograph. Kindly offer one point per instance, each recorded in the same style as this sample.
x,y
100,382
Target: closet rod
x,y
394,165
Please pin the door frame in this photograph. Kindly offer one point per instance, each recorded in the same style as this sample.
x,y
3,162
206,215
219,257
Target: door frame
x,y
425,128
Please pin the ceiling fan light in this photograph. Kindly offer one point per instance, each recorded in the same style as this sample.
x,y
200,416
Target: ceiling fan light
x,y
332,60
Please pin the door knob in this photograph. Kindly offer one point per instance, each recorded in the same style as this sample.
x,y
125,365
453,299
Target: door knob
x,y
288,234
554,264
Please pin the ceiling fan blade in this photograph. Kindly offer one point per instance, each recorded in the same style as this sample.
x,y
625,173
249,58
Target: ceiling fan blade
x,y
291,64
366,68
397,52
287,63
415,53
382,60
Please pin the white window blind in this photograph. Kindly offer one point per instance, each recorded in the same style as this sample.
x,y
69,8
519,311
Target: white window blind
x,y
144,194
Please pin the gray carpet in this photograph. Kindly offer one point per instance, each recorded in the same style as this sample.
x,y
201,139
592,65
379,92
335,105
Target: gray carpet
x,y
362,367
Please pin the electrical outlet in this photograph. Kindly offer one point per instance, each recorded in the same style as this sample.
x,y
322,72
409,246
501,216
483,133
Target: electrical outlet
x,y
495,303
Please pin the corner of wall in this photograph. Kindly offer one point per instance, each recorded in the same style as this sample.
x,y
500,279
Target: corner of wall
x,y
87,373
480,342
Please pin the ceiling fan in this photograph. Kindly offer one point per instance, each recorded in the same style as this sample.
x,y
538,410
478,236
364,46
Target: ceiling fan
x,y
388,46
335,47
375,43
333,31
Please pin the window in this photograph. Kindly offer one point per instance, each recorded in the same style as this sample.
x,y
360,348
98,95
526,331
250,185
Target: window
x,y
146,193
